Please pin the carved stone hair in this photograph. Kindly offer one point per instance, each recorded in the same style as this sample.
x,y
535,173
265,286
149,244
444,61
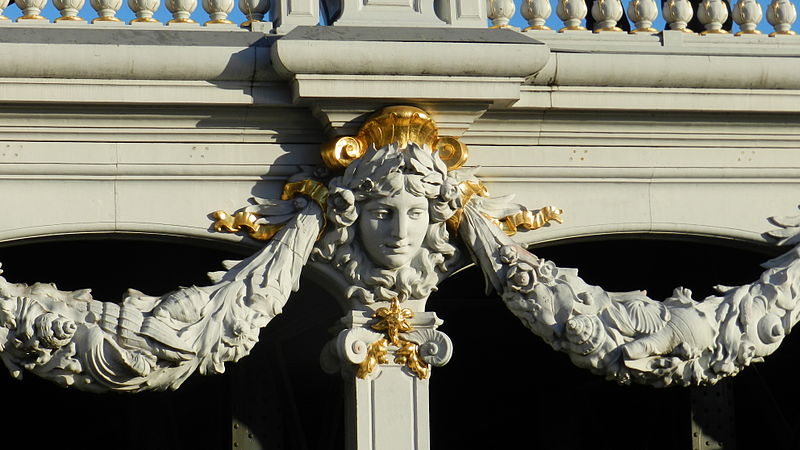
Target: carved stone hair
x,y
382,173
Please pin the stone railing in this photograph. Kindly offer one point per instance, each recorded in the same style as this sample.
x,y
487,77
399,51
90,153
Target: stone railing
x,y
144,11
285,14
705,17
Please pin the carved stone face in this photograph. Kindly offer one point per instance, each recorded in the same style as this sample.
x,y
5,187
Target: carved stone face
x,y
393,228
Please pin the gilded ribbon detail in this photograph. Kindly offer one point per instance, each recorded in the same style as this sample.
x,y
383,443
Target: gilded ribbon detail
x,y
245,221
526,219
248,221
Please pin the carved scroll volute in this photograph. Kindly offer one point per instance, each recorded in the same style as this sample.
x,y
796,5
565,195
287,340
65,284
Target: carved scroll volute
x,y
399,125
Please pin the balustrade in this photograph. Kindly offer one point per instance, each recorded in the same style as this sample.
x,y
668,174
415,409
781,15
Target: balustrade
x,y
605,15
143,11
701,16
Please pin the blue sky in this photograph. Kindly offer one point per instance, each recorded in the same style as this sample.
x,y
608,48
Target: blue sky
x,y
200,16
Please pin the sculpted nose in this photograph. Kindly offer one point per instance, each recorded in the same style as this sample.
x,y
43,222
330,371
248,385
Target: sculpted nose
x,y
400,226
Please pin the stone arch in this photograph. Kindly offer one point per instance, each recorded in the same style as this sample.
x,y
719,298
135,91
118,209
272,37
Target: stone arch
x,y
511,389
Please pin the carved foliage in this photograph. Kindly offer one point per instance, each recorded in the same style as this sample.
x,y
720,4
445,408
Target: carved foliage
x,y
627,336
155,343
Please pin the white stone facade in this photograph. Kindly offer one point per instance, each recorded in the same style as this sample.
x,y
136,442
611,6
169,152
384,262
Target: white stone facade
x,y
146,131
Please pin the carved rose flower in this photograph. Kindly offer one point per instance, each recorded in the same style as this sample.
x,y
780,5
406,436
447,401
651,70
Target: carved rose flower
x,y
508,254
342,206
54,331
521,278
546,271
342,200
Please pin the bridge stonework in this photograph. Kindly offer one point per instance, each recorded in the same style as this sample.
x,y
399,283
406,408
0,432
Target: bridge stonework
x,y
147,130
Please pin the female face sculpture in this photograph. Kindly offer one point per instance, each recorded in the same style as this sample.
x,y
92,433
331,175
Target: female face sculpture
x,y
387,215
393,228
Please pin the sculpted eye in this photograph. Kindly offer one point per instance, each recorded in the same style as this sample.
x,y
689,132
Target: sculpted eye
x,y
380,214
416,213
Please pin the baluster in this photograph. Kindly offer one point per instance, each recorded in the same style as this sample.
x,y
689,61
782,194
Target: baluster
x,y
712,14
747,14
3,6
31,9
571,12
218,11
643,13
501,12
69,9
181,10
254,10
678,13
606,14
144,10
536,13
106,10
781,14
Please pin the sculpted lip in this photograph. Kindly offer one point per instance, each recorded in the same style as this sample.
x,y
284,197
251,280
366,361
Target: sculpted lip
x,y
396,247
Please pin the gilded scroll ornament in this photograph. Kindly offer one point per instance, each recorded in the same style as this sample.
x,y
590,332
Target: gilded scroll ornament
x,y
399,125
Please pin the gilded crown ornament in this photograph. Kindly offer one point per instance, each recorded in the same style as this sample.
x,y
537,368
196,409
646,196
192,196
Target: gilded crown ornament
x,y
400,125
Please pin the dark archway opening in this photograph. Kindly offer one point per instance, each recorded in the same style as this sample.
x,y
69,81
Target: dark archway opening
x,y
505,388
277,397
